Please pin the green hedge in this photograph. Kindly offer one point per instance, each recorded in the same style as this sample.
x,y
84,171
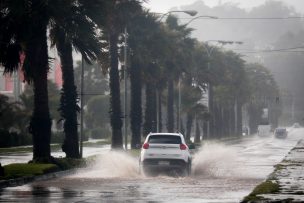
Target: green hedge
x,y
25,170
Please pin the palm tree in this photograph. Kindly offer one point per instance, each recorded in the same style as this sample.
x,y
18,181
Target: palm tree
x,y
181,45
71,28
113,20
23,27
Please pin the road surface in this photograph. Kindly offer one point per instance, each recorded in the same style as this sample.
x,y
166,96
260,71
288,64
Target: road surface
x,y
221,173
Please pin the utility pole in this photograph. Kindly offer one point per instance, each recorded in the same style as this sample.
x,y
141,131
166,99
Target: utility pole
x,y
126,92
179,106
81,107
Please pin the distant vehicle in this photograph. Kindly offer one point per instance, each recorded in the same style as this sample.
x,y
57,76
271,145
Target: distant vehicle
x,y
245,131
280,133
165,152
264,130
296,125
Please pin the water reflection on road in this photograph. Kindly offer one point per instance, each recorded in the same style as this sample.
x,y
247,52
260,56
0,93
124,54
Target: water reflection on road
x,y
222,173
24,157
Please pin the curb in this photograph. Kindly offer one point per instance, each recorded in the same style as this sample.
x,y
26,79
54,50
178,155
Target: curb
x,y
286,191
25,180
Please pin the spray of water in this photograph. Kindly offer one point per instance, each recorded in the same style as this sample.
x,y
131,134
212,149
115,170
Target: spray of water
x,y
216,160
111,165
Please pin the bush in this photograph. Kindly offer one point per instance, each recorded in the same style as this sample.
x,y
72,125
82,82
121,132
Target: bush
x,y
69,163
22,170
57,137
100,133
11,139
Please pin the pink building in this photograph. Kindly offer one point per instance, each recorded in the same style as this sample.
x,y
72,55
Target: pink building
x,y
13,85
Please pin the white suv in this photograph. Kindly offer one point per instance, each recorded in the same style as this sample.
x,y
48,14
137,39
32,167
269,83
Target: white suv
x,y
165,152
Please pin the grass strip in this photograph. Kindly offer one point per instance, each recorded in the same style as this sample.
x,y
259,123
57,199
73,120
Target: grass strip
x,y
18,170
267,187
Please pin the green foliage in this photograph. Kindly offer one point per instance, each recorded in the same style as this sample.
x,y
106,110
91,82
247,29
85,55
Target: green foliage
x,y
134,152
97,112
95,81
267,187
57,137
69,163
8,139
100,133
24,170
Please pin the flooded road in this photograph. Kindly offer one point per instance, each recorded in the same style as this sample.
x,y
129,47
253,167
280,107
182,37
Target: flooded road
x,y
25,156
221,173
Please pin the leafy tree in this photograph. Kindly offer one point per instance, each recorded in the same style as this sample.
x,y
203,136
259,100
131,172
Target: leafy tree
x,y
95,81
264,93
23,28
70,27
114,18
180,45
97,111
148,47
8,114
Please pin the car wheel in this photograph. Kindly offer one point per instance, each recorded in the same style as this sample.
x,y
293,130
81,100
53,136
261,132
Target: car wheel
x,y
186,171
189,168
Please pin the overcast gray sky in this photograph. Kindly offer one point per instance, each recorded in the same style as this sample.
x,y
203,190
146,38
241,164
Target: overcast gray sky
x,y
164,5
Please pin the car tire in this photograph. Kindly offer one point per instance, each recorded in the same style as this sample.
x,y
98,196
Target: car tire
x,y
186,171
189,167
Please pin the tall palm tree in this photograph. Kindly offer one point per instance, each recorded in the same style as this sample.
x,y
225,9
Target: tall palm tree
x,y
112,16
71,28
142,29
23,27
176,64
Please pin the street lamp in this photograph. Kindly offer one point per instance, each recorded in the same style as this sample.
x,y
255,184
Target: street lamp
x,y
204,17
189,12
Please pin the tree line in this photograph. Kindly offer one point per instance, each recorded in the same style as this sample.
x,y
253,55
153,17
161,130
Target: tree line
x,y
163,60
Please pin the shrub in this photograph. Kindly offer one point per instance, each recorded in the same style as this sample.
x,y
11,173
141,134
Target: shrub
x,y
10,139
31,169
100,133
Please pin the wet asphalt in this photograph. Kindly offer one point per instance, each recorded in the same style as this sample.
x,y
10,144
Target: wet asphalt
x,y
221,173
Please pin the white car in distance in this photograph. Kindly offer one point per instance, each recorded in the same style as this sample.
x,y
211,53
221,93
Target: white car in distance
x,y
165,152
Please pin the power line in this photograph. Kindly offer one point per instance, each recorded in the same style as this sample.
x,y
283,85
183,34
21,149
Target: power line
x,y
290,49
252,18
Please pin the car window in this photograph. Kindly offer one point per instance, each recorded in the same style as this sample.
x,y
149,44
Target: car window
x,y
164,139
281,130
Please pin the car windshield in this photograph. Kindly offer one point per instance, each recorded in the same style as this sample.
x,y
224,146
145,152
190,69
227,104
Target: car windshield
x,y
281,130
164,139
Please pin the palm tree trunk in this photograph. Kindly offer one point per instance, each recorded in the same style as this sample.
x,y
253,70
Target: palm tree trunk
x,y
197,138
182,126
239,118
40,124
211,111
68,100
136,103
115,105
170,105
160,126
148,124
205,129
189,126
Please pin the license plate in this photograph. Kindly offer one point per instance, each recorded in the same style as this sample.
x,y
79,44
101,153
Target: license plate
x,y
164,163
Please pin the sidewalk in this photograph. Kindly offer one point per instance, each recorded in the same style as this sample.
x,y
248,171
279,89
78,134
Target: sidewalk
x,y
286,183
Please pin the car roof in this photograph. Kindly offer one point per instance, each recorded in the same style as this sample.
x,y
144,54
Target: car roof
x,y
173,134
280,128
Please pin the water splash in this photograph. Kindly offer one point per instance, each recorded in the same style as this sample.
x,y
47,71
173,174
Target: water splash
x,y
215,160
111,165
